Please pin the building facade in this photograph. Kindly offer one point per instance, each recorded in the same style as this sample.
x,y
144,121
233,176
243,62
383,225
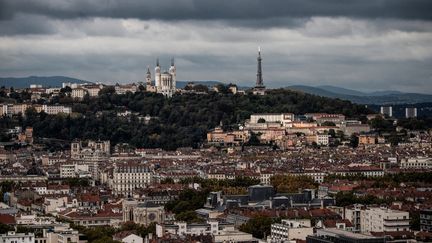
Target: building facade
x,y
426,220
410,112
95,150
12,237
130,176
289,230
143,213
383,220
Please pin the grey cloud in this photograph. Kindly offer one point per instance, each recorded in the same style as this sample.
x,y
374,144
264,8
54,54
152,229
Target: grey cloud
x,y
383,44
26,24
221,9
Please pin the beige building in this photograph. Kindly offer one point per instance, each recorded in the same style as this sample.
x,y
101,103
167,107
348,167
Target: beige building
x,y
61,233
322,139
93,90
321,118
218,136
143,213
78,93
288,230
124,88
94,151
56,109
367,139
129,176
416,163
383,220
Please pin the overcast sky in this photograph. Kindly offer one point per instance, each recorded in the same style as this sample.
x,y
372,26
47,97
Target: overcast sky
x,y
359,44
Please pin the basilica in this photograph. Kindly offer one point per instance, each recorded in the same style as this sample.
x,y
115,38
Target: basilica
x,y
165,82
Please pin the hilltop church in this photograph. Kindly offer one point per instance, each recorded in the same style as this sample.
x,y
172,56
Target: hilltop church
x,y
165,83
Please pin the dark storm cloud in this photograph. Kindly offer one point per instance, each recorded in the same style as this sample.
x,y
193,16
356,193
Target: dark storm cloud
x,y
220,9
375,44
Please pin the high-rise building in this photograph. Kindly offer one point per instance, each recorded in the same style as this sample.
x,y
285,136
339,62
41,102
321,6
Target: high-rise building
x,y
259,86
387,111
410,112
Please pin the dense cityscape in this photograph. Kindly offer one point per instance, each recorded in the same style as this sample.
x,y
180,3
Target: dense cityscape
x,y
165,160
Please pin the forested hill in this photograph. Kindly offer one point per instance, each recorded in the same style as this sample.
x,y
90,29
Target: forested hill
x,y
182,120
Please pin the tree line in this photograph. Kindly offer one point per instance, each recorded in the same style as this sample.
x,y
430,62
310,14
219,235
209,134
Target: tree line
x,y
181,121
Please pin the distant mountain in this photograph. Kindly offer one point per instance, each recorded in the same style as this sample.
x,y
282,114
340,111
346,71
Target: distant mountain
x,y
339,90
386,92
52,81
379,97
344,91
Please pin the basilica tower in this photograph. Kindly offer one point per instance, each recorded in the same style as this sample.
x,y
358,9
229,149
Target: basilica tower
x,y
158,75
148,77
172,71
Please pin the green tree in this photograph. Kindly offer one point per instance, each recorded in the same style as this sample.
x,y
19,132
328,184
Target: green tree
x,y
292,183
258,226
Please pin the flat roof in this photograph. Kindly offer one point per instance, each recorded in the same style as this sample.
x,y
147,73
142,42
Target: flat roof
x,y
346,234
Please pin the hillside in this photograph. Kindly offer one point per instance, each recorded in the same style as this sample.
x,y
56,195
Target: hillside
x,y
378,98
25,82
182,121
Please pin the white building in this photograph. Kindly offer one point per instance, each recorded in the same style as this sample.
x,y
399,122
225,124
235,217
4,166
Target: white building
x,y
386,110
383,220
285,119
93,90
61,233
322,139
368,171
74,170
353,214
56,109
410,112
78,93
12,237
124,88
165,82
222,232
129,176
132,238
289,230
316,175
416,163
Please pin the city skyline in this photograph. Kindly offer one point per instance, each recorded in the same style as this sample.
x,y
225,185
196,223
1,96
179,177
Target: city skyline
x,y
378,45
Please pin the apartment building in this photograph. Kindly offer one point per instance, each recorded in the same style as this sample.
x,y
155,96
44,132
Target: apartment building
x,y
129,176
376,219
416,163
287,230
